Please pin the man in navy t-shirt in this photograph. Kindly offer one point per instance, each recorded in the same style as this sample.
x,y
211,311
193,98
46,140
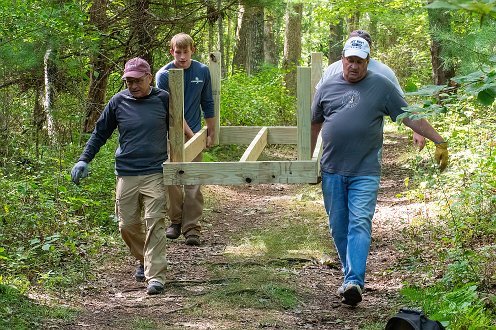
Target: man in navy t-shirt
x,y
186,203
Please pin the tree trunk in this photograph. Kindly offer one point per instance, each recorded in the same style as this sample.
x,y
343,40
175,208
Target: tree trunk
x,y
292,44
220,24
249,39
212,18
96,95
336,36
100,69
49,74
439,21
353,22
142,30
270,46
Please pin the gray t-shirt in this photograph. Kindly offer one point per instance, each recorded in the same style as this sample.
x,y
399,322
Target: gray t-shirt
x,y
352,115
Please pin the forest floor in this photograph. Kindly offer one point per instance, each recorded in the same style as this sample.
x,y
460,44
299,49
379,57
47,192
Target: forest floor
x,y
115,301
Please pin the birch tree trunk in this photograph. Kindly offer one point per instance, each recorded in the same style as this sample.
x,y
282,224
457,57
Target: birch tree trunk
x,y
49,78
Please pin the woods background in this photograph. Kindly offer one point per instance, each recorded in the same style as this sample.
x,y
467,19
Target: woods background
x,y
61,60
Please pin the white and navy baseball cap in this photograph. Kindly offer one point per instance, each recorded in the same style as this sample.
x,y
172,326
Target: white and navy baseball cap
x,y
356,46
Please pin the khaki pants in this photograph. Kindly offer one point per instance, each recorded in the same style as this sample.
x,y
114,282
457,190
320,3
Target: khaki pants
x,y
186,206
144,195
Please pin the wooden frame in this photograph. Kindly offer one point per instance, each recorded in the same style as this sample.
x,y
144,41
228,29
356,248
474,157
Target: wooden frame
x,y
306,169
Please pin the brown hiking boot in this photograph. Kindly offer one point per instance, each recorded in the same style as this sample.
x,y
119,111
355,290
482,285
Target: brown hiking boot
x,y
193,240
173,231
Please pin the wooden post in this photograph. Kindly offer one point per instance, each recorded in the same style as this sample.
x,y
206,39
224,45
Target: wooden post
x,y
215,74
176,115
304,100
316,66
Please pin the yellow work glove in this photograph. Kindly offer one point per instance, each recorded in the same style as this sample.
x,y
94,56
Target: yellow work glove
x,y
441,155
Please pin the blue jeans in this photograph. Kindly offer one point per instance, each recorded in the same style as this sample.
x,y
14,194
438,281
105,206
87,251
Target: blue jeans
x,y
350,204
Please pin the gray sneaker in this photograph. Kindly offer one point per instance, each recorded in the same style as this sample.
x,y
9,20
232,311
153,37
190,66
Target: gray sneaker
x,y
139,274
154,287
352,294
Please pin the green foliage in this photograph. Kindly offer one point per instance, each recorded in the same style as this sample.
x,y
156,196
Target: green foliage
x,y
254,287
50,227
467,204
19,312
481,7
259,100
455,307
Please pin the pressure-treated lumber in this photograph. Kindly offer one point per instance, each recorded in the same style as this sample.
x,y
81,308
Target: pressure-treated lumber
x,y
236,173
180,170
256,146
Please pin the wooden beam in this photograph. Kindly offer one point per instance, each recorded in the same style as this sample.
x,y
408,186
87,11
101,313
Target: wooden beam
x,y
176,115
317,153
246,134
236,173
256,147
215,74
195,145
316,65
304,98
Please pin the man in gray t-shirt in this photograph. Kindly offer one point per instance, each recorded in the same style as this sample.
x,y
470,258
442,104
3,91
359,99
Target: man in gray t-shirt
x,y
375,66
349,109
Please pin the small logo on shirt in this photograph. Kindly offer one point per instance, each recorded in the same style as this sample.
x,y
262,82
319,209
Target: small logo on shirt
x,y
196,80
350,99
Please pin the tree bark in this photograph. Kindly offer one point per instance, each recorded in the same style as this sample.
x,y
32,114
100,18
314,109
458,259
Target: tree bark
x,y
336,36
100,69
142,30
292,44
50,71
249,41
439,21
270,46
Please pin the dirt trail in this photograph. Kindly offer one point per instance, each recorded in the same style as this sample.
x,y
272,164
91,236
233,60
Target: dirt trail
x,y
115,300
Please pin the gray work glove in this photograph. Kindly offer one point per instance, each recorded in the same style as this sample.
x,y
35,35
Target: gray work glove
x,y
79,171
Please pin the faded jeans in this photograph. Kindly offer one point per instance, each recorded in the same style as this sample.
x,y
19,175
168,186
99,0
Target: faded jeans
x,y
350,204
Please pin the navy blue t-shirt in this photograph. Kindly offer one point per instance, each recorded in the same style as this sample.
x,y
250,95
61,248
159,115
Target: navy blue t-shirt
x,y
197,92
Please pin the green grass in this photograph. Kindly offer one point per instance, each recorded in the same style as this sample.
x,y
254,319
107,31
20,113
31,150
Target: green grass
x,y
144,324
260,272
253,286
19,312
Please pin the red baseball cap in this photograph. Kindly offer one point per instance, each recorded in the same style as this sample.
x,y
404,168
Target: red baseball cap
x,y
136,68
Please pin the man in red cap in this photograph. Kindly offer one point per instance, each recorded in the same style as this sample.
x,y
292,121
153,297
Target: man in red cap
x,y
140,114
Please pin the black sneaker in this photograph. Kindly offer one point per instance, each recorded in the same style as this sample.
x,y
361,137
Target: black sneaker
x,y
352,295
193,240
173,231
154,287
139,274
